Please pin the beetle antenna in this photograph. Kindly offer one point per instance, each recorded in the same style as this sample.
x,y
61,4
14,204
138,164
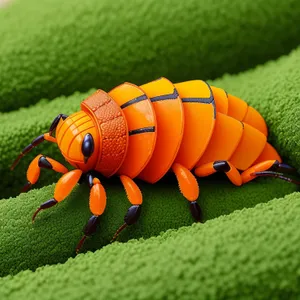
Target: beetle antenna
x,y
39,139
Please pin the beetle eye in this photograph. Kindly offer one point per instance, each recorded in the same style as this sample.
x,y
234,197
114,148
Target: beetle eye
x,y
87,147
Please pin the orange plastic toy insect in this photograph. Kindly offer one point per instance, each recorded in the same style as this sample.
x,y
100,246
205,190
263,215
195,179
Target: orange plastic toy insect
x,y
144,132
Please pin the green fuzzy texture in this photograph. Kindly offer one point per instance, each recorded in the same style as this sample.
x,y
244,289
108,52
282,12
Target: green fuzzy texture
x,y
52,47
56,231
250,254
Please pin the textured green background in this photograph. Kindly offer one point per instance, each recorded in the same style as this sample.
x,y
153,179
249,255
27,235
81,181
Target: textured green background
x,y
49,49
250,254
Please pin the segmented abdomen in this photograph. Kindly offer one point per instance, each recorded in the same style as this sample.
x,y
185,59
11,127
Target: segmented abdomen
x,y
191,123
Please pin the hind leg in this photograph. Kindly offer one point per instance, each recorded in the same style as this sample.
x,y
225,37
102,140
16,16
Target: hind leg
x,y
220,166
269,168
265,168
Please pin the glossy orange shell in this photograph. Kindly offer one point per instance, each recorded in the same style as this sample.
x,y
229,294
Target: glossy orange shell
x,y
142,131
139,113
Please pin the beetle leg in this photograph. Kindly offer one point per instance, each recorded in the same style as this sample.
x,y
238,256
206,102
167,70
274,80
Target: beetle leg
x,y
220,166
34,169
62,189
97,207
269,168
265,168
189,187
135,197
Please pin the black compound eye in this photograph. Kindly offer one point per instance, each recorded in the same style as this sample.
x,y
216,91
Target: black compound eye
x,y
87,147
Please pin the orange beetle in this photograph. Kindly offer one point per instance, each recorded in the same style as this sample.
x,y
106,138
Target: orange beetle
x,y
146,131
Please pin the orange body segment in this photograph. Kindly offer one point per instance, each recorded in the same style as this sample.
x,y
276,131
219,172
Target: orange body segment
x,y
225,139
140,149
139,114
250,147
133,192
268,153
237,108
199,120
97,198
170,125
187,182
254,118
221,100
66,184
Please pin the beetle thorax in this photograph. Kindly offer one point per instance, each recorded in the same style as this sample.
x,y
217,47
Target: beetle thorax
x,y
112,129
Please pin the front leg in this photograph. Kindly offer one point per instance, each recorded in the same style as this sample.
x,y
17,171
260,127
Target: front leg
x,y
135,198
62,189
34,169
97,206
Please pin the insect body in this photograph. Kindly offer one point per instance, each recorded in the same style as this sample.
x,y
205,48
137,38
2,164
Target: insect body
x,y
146,131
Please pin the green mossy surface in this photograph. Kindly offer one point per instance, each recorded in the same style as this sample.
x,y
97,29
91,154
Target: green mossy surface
x,y
54,235
250,254
50,48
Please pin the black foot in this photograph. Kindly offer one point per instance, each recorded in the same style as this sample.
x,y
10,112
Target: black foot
x,y
45,205
196,211
132,214
88,230
282,168
130,218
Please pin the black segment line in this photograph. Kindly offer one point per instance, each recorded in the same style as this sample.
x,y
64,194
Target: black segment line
x,y
209,100
142,130
135,100
173,96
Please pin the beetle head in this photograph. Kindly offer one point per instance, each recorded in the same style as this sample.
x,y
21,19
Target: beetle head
x,y
78,140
